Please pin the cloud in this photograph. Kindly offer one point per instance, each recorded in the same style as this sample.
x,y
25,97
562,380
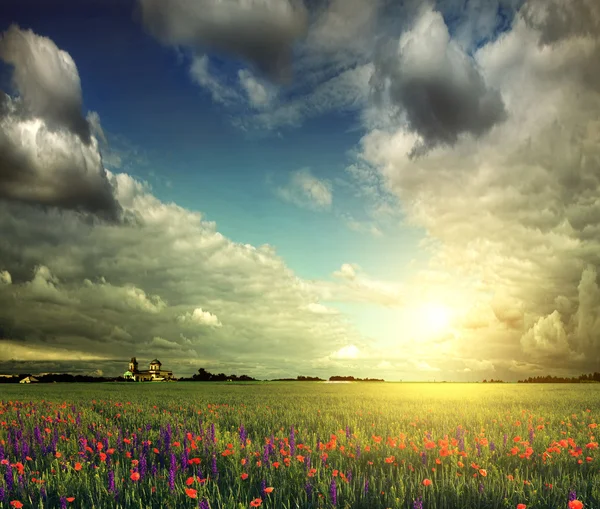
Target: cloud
x,y
347,271
346,352
555,21
5,277
435,85
320,309
200,317
345,91
258,93
47,80
355,286
261,32
219,91
512,211
344,25
114,288
306,190
47,153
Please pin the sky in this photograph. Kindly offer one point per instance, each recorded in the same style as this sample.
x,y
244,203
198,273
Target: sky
x,y
404,190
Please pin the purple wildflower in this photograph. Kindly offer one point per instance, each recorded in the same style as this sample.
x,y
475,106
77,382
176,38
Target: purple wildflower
x,y
263,487
143,466
1,493
481,487
418,503
203,504
424,458
63,502
572,495
172,472
348,433
531,435
366,489
243,434
8,477
111,481
215,470
309,490
492,446
333,492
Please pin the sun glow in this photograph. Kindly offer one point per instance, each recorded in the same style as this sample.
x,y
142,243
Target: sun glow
x,y
435,318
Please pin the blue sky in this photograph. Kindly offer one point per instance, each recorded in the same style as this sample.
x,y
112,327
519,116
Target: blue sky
x,y
376,147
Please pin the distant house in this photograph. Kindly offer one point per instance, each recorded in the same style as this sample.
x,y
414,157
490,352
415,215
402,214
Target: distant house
x,y
29,380
153,374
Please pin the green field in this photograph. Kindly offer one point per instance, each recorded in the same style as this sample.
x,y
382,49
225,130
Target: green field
x,y
317,445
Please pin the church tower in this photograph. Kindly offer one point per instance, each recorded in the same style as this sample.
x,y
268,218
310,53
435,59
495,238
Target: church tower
x,y
133,365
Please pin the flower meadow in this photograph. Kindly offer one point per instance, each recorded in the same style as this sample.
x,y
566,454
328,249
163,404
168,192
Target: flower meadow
x,y
299,445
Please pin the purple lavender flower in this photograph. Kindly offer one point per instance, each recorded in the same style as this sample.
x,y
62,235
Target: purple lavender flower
x,y
111,481
184,458
333,492
478,445
348,433
143,466
418,503
531,435
203,504
263,487
243,434
213,435
349,475
481,487
63,502
572,495
366,488
8,478
492,446
215,470
172,472
43,494
1,493
307,461
424,458
309,490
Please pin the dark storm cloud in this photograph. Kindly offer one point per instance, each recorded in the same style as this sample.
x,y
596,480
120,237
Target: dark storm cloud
x,y
46,79
48,156
435,85
261,32
559,19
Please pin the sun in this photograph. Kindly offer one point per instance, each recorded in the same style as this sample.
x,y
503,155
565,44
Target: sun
x,y
435,318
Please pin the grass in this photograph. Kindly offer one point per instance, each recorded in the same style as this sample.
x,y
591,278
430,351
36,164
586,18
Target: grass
x,y
358,445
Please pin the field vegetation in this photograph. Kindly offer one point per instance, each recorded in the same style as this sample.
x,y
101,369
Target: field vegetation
x,y
302,445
